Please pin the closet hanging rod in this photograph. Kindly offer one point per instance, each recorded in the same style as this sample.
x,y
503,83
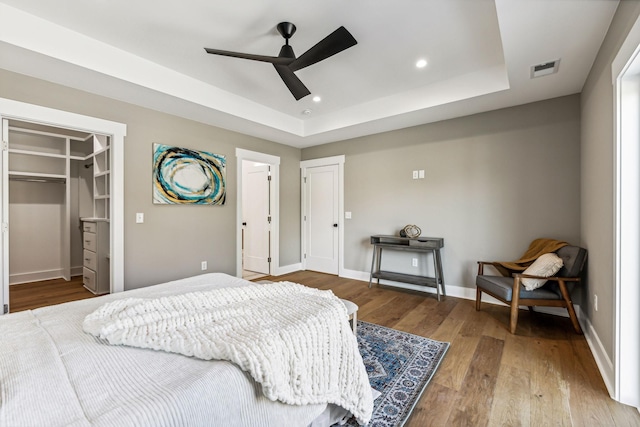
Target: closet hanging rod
x,y
38,179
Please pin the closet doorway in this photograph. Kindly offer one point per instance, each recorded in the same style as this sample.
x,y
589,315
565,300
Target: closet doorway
x,y
258,202
43,119
58,200
256,219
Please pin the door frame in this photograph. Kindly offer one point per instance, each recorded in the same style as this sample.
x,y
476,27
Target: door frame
x,y
625,74
324,161
16,110
274,242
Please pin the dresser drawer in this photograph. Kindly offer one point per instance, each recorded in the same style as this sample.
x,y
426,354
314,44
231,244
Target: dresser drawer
x,y
89,260
89,241
89,226
89,279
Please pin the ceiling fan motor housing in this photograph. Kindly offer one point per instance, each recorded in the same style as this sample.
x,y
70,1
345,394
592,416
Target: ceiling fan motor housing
x,y
286,30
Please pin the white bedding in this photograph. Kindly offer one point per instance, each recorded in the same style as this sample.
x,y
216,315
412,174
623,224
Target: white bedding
x,y
52,373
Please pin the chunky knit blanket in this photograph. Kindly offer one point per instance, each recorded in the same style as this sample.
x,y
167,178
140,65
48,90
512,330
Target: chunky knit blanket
x,y
293,340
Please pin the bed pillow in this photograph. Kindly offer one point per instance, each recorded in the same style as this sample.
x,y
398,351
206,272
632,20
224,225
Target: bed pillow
x,y
546,265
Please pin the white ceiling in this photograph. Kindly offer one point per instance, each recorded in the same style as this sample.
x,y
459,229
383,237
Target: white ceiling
x,y
150,53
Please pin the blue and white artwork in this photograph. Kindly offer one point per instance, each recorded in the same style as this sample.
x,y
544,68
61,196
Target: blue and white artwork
x,y
184,176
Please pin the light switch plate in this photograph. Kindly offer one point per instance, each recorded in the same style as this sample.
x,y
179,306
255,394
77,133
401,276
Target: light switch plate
x,y
421,174
415,174
347,215
139,218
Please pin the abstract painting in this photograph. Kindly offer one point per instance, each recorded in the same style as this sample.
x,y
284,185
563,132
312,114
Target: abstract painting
x,y
184,176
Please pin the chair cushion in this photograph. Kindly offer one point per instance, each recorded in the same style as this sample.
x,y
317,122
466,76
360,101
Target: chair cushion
x,y
546,265
503,287
573,258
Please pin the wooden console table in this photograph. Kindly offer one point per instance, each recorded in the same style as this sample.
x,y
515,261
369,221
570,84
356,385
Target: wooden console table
x,y
417,244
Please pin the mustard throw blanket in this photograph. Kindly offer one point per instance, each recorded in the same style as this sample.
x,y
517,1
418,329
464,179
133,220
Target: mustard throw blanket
x,y
536,248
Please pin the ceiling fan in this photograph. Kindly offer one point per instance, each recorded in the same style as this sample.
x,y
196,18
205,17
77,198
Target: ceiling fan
x,y
286,62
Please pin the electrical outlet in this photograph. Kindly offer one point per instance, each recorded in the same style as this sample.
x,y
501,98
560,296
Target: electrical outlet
x,y
595,302
204,265
415,174
139,218
414,262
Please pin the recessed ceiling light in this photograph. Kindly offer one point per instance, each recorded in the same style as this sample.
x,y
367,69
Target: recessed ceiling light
x,y
421,63
317,99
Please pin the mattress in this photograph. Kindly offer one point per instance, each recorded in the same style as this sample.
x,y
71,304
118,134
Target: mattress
x,y
52,373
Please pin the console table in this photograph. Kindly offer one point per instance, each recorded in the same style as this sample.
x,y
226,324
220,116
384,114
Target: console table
x,y
418,244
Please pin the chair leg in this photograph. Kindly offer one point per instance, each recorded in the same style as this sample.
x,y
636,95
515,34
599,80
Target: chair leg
x,y
570,309
515,300
513,322
478,298
354,324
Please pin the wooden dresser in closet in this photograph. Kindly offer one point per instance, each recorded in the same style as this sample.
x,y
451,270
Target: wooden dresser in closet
x,y
95,242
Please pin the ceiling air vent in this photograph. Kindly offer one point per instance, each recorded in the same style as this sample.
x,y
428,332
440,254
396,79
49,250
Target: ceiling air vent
x,y
545,69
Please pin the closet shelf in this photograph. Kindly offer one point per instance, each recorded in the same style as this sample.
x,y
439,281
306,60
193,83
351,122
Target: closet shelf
x,y
101,197
102,173
36,175
102,150
37,153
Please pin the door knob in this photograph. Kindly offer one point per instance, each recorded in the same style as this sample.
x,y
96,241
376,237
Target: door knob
x,y
244,224
335,225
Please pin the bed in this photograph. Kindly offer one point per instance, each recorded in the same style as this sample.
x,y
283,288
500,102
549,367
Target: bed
x,y
54,373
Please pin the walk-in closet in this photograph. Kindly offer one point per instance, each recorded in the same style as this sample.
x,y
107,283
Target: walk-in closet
x,y
58,210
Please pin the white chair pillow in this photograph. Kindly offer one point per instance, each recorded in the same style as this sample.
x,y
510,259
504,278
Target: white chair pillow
x,y
546,265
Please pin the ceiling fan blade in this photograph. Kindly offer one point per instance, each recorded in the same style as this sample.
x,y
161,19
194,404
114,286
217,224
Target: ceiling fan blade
x,y
296,87
335,42
263,58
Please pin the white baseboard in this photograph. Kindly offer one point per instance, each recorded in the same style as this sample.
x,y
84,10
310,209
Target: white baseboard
x,y
286,269
38,276
605,365
34,276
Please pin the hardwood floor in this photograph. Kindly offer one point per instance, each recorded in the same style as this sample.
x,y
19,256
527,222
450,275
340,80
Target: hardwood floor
x,y
28,296
543,375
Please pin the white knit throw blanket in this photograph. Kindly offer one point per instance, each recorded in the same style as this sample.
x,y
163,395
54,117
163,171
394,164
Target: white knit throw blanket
x,y
293,340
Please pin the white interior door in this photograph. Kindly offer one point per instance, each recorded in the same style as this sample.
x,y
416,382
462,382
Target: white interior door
x,y
256,217
322,213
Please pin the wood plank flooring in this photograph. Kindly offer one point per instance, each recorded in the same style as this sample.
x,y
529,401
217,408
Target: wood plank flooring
x,y
544,375
28,296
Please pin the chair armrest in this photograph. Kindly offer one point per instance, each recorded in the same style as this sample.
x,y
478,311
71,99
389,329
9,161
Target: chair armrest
x,y
481,265
554,278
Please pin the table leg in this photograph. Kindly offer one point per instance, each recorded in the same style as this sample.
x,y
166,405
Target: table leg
x,y
436,272
441,273
373,261
379,262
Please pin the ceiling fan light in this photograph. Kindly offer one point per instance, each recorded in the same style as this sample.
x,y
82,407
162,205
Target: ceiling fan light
x,y
421,63
317,99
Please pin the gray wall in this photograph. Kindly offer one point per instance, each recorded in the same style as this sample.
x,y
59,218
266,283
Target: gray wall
x,y
493,182
598,177
173,239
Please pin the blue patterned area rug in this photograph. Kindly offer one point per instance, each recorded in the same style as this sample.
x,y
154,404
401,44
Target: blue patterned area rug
x,y
400,365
